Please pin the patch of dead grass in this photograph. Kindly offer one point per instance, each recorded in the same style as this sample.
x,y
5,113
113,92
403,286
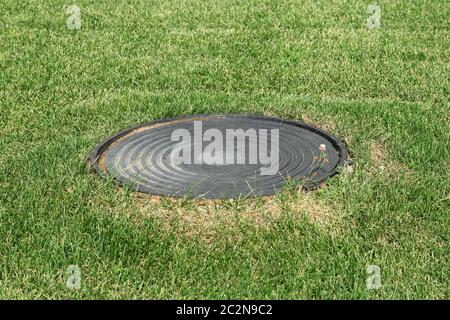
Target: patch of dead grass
x,y
223,219
325,124
208,220
313,209
378,152
382,162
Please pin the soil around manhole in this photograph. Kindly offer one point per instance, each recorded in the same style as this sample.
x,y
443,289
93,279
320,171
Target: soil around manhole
x,y
141,157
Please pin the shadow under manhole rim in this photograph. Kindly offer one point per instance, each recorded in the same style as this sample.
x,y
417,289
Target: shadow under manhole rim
x,y
141,157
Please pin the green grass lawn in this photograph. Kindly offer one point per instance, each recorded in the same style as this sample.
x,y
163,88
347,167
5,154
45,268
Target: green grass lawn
x,y
384,92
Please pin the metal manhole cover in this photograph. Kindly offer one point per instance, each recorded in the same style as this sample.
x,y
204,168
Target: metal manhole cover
x,y
218,156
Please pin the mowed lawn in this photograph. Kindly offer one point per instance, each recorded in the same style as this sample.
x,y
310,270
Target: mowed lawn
x,y
385,92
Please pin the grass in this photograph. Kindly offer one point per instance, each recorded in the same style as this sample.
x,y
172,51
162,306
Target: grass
x,y
385,92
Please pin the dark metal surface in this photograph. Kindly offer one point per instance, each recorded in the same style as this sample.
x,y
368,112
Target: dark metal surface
x,y
139,158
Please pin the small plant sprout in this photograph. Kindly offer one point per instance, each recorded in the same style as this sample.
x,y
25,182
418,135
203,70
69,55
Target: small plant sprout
x,y
323,156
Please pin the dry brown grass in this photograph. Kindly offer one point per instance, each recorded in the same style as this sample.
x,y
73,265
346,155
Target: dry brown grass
x,y
324,124
382,162
313,209
212,220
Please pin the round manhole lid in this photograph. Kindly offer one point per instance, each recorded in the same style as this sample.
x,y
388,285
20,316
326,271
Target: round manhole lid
x,y
218,156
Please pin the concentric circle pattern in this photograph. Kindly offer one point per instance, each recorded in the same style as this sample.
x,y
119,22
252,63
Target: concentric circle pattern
x,y
142,158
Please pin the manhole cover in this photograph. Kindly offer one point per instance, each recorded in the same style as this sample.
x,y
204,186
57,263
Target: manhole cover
x,y
218,156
